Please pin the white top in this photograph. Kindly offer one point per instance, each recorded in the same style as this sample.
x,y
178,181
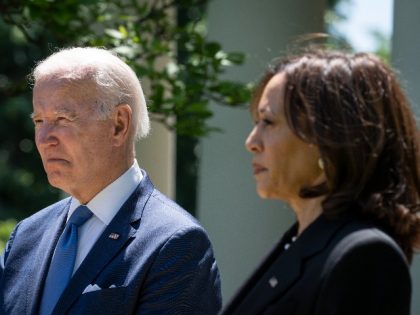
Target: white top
x,y
104,207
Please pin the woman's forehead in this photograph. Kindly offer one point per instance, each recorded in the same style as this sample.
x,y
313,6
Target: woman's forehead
x,y
273,95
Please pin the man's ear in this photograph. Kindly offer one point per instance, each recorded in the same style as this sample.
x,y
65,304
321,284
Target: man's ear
x,y
122,119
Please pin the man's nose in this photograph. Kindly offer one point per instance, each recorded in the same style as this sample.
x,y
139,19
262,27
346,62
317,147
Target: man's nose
x,y
45,134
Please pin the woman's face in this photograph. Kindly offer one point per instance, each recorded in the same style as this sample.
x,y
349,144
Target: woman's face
x,y
282,163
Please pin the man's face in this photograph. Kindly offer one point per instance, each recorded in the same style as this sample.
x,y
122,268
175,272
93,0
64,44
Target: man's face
x,y
75,146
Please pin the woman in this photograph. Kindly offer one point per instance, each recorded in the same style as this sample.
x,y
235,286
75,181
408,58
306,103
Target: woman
x,y
335,138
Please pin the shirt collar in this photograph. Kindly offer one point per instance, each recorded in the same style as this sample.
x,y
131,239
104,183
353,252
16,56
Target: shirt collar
x,y
107,202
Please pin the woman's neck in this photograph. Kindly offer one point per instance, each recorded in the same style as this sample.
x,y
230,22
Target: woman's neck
x,y
307,211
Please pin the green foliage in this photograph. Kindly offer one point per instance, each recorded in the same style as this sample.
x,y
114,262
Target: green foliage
x,y
6,228
383,45
332,4
336,13
333,16
180,69
23,184
147,36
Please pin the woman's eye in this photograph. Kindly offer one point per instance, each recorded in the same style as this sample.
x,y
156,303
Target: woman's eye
x,y
263,122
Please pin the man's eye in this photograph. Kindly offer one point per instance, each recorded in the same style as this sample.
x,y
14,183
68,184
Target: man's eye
x,y
62,119
37,122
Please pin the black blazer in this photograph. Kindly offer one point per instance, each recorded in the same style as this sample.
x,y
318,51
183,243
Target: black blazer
x,y
342,266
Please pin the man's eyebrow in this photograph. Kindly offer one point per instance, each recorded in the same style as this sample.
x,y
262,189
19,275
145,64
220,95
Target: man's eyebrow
x,y
65,111
58,112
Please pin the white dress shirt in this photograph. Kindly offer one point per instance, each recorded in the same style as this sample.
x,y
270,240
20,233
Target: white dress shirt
x,y
104,207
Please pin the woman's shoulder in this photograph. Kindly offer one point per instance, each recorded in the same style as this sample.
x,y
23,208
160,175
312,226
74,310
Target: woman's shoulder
x,y
359,243
360,234
365,272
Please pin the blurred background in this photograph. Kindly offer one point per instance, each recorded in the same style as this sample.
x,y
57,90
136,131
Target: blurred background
x,y
197,60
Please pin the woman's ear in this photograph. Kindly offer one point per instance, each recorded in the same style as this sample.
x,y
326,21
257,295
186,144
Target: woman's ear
x,y
122,123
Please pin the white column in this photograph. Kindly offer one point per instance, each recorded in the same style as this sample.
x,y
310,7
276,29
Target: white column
x,y
406,58
242,227
156,154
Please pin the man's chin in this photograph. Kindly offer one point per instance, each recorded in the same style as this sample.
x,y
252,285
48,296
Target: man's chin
x,y
57,181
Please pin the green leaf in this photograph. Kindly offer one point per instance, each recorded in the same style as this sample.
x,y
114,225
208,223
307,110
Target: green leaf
x,y
237,58
114,33
123,31
126,51
212,48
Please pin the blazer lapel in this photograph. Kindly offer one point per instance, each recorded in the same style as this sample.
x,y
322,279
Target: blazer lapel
x,y
278,278
286,266
41,262
277,273
107,247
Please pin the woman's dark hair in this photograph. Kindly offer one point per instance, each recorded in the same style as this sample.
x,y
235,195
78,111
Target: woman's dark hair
x,y
351,106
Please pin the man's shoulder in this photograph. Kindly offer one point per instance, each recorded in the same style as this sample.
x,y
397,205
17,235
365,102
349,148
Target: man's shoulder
x,y
42,215
168,208
161,212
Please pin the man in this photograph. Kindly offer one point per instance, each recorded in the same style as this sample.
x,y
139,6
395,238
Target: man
x,y
116,245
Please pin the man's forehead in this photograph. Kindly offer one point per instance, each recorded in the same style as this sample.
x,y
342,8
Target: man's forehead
x,y
63,97
70,88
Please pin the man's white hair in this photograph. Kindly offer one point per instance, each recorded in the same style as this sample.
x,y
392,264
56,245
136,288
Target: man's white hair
x,y
115,82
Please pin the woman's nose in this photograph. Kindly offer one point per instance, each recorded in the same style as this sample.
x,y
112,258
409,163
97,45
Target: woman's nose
x,y
253,143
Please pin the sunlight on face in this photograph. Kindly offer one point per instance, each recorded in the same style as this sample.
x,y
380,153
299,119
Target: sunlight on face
x,y
282,163
74,145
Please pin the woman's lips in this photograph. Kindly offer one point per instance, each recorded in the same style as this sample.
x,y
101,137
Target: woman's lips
x,y
257,168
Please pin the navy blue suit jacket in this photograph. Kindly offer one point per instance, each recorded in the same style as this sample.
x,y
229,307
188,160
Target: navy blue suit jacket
x,y
162,262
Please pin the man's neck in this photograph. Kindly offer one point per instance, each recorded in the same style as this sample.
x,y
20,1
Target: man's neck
x,y
114,171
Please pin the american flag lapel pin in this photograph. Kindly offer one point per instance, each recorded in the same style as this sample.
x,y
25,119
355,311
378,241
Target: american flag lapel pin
x,y
114,236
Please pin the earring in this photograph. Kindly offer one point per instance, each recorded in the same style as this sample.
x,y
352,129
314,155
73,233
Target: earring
x,y
321,164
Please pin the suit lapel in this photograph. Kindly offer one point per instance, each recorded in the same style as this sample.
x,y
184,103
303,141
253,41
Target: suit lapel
x,y
276,280
286,266
107,247
41,262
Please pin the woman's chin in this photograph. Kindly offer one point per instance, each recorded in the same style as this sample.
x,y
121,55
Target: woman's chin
x,y
264,193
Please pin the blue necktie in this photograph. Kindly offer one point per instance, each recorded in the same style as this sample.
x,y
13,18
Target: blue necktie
x,y
62,263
